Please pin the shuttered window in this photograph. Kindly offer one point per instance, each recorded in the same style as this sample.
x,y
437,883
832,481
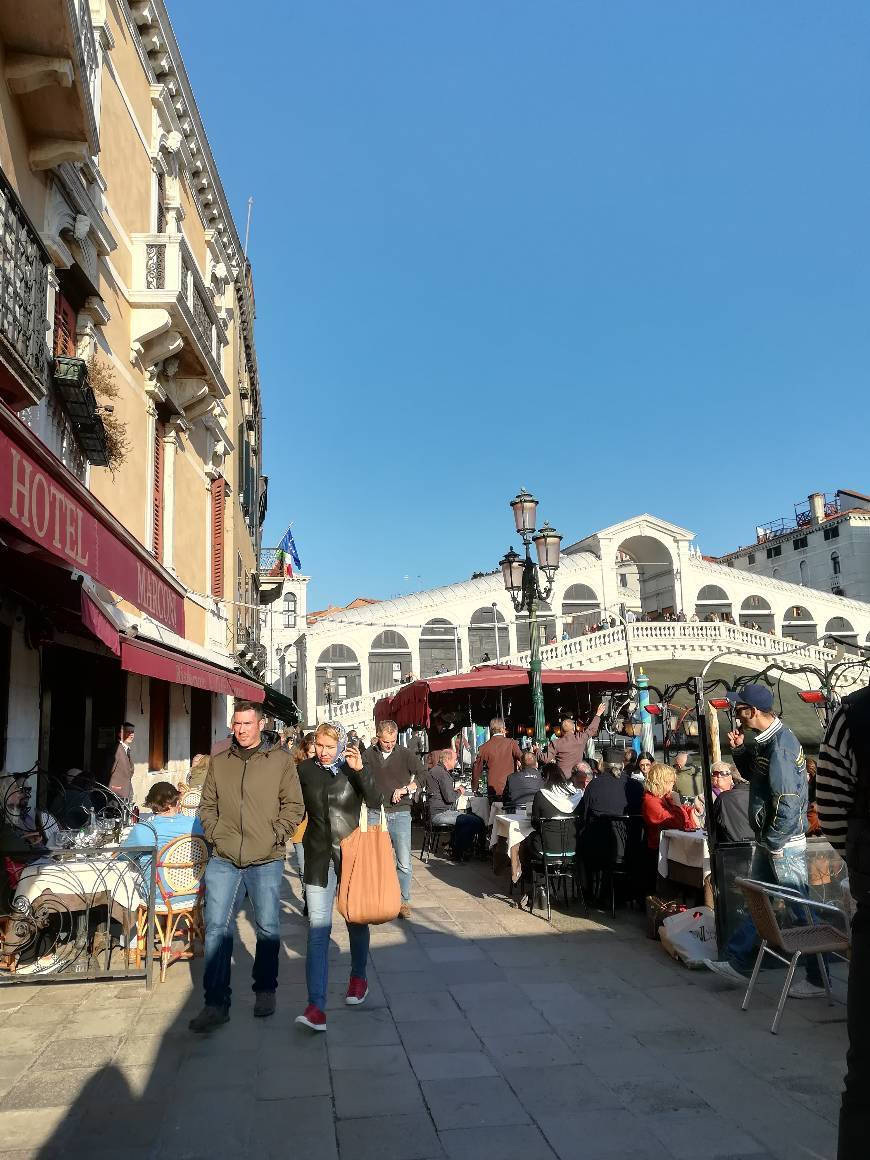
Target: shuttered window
x,y
157,499
218,493
64,328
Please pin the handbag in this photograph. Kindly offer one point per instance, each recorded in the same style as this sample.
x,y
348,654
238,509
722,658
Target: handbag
x,y
368,891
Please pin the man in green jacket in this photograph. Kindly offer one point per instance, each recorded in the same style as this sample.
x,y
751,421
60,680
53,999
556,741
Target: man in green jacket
x,y
251,804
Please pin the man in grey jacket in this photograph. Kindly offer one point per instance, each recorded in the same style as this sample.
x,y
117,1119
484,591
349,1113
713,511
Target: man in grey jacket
x,y
250,806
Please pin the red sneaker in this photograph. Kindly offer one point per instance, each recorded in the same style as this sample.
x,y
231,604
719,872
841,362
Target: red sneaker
x,y
312,1018
357,991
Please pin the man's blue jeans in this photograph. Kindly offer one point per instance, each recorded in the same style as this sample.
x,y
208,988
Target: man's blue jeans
x,y
320,900
225,887
787,869
399,825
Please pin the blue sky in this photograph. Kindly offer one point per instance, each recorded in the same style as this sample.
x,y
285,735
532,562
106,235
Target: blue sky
x,y
614,252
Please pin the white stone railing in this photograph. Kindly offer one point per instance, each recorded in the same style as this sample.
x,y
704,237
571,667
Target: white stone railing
x,y
606,649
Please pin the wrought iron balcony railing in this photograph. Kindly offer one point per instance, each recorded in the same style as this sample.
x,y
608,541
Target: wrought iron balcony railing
x,y
24,324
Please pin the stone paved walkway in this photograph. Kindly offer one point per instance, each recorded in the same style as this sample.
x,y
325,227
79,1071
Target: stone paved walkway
x,y
487,1033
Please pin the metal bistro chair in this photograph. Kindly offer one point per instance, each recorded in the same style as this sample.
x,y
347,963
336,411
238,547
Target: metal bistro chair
x,y
181,863
556,865
433,833
189,802
788,943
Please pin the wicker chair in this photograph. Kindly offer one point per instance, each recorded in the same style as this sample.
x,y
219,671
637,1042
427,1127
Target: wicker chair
x,y
788,943
181,863
189,803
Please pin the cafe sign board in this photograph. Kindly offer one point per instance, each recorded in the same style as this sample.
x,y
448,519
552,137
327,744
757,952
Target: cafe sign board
x,y
42,506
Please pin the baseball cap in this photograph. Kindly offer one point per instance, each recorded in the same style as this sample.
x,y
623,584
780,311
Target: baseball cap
x,y
758,696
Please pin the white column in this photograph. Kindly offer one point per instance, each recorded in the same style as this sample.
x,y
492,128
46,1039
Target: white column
x,y
170,448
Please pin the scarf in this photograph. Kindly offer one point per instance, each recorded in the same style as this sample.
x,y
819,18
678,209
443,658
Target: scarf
x,y
560,797
338,761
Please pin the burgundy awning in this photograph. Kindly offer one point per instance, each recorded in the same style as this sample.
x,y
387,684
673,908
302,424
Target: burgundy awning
x,y
414,705
97,623
154,660
44,501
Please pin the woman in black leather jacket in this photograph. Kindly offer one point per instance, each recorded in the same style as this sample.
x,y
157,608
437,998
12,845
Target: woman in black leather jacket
x,y
334,785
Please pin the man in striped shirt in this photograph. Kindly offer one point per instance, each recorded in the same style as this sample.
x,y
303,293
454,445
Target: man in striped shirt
x,y
843,802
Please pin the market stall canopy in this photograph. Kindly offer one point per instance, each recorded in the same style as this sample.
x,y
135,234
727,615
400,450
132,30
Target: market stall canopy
x,y
442,703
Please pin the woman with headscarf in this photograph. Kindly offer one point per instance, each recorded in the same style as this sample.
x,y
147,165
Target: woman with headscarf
x,y
335,785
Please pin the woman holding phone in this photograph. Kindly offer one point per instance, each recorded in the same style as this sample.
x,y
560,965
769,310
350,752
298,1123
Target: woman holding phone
x,y
334,786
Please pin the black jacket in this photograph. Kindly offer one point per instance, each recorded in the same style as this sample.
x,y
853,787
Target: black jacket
x,y
731,815
607,794
439,786
392,772
521,787
332,803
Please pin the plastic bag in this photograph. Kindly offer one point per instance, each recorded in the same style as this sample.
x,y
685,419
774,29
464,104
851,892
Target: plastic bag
x,y
690,936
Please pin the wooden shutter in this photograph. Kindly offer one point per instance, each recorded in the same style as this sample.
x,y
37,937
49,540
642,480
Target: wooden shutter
x,y
157,498
218,494
64,328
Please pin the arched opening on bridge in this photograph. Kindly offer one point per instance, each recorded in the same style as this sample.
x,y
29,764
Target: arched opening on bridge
x,y
655,572
580,607
798,624
756,613
337,674
481,636
546,627
713,603
389,660
438,648
845,635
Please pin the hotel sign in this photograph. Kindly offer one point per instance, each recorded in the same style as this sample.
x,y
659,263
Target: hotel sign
x,y
38,504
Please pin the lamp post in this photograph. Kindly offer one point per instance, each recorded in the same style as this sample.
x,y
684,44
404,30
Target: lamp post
x,y
522,580
327,688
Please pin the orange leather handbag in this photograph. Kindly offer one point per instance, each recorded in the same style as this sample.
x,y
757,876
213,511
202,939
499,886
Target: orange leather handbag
x,y
369,891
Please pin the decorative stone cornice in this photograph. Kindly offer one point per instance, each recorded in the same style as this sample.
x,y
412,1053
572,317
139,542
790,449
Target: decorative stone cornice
x,y
161,56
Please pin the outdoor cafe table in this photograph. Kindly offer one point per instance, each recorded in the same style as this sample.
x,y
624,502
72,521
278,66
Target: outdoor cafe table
x,y
478,805
685,858
513,828
71,883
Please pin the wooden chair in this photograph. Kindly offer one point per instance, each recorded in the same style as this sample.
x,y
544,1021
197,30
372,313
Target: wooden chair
x,y
181,863
788,943
189,803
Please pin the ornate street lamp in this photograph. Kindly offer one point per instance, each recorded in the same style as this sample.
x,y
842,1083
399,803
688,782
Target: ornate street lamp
x,y
521,577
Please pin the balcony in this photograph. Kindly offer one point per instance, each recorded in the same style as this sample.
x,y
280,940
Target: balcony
x,y
77,399
52,68
24,322
174,315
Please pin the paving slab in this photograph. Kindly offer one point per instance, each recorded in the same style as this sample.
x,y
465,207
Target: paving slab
x,y
393,1137
506,1142
456,1103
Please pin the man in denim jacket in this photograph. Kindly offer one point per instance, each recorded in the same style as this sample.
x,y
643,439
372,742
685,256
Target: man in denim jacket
x,y
773,764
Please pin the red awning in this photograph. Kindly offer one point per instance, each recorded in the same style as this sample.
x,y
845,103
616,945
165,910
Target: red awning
x,y
44,501
154,660
414,704
97,623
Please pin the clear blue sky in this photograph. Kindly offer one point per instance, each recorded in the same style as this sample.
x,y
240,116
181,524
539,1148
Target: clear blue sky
x,y
616,252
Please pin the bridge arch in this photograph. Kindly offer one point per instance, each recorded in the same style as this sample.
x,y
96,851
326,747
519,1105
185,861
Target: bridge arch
x,y
841,629
438,647
655,569
713,601
337,670
580,606
755,611
481,636
798,623
389,659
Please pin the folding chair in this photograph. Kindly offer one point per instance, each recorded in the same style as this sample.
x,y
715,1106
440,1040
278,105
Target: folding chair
x,y
788,943
181,864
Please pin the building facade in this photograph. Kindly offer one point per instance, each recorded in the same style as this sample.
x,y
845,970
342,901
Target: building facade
x,y
825,546
132,491
283,613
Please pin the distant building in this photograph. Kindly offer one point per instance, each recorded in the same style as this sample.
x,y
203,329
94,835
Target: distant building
x,y
825,546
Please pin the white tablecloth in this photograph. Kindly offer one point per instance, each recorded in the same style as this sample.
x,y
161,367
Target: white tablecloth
x,y
80,883
688,847
479,806
512,827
